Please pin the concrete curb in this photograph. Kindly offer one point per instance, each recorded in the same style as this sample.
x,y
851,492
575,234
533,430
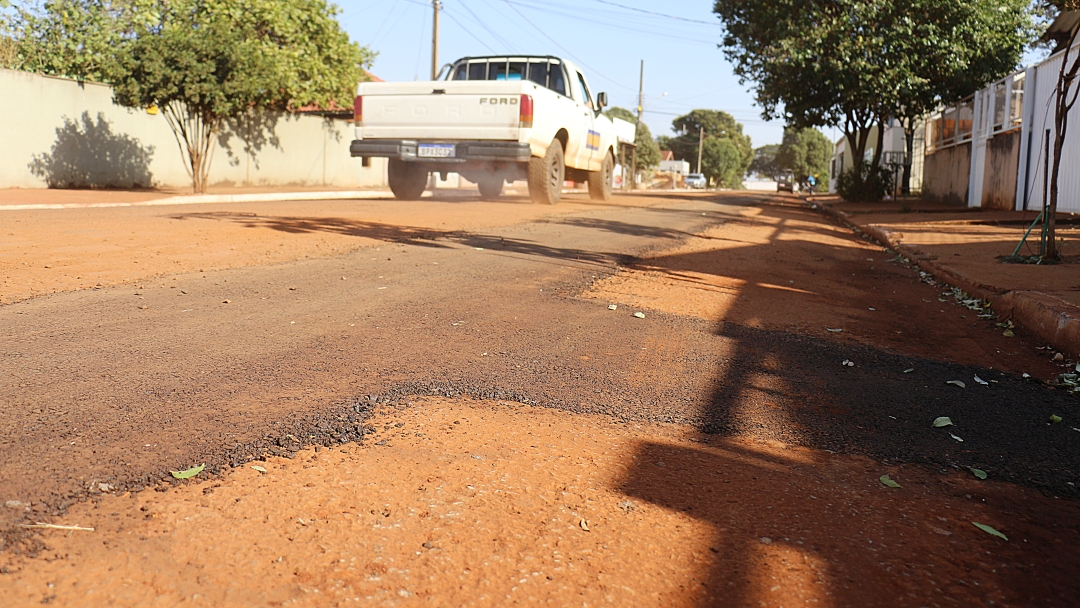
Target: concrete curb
x,y
1051,319
203,199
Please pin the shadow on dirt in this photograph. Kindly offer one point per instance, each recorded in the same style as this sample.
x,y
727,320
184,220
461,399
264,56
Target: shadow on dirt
x,y
780,386
825,531
421,237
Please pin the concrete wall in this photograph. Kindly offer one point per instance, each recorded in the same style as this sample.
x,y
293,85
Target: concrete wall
x,y
945,174
999,179
62,133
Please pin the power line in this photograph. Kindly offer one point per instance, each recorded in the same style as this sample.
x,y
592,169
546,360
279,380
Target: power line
x,y
568,53
655,14
420,46
574,12
468,31
507,44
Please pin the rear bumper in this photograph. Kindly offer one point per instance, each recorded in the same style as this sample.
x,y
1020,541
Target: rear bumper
x,y
464,151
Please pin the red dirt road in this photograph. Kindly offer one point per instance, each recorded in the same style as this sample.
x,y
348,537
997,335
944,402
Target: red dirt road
x,y
247,333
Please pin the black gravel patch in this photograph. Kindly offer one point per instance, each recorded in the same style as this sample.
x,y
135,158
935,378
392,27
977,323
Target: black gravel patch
x,y
876,409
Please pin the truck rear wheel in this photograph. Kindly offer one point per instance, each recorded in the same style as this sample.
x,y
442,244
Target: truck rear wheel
x,y
546,175
407,180
600,182
490,187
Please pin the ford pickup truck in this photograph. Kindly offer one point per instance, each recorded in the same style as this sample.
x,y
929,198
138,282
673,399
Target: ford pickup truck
x,y
491,120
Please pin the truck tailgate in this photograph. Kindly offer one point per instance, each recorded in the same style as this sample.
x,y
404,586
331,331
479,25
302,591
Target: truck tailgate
x,y
473,110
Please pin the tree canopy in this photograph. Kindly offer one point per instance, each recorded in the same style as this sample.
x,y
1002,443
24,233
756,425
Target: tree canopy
x,y
722,162
856,63
764,162
805,152
648,152
715,125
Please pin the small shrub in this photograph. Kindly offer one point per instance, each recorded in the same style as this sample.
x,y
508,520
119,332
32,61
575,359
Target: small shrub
x,y
876,182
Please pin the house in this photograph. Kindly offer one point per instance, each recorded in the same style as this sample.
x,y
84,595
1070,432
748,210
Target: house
x,y
893,154
991,149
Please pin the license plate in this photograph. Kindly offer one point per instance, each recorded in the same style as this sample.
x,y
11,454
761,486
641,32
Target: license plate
x,y
435,150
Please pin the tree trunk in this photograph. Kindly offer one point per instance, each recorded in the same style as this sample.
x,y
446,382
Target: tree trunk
x,y
857,134
909,151
1067,77
194,135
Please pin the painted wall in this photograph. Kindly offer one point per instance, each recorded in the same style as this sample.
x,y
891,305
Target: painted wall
x,y
945,174
999,179
63,133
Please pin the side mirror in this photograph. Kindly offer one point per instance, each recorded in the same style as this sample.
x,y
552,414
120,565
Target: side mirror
x,y
601,100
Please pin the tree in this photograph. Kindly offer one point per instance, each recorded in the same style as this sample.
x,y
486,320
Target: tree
x,y
764,162
722,162
74,38
648,152
856,63
1066,92
716,124
205,61
805,152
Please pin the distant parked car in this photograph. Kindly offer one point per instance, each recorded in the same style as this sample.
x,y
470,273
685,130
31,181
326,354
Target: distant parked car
x,y
785,184
696,180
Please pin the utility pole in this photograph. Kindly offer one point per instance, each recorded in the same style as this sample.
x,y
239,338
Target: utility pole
x,y
436,4
640,103
700,143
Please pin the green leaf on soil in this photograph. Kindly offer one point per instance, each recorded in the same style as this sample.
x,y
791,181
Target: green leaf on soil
x,y
258,468
884,479
957,383
909,370
188,473
1008,333
941,421
981,474
835,331
1054,419
990,530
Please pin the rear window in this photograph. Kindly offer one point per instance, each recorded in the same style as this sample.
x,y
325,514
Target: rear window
x,y
543,72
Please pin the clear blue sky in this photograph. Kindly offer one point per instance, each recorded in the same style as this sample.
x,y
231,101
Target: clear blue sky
x,y
608,41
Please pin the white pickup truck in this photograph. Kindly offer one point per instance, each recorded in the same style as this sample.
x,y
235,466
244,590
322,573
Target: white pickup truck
x,y
492,120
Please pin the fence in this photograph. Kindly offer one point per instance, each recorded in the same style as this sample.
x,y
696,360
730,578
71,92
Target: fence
x,y
1038,131
990,150
63,133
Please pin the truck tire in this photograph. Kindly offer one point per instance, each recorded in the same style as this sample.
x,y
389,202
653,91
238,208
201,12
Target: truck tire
x,y
546,175
600,182
490,188
407,180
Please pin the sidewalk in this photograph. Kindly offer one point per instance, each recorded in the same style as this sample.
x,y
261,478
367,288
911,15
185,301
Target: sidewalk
x,y
963,247
13,199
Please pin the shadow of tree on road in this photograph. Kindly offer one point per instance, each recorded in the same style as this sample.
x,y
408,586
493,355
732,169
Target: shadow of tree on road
x,y
412,235
776,386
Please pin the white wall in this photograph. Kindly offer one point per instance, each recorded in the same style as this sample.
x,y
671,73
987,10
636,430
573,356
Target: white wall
x,y
1041,81
63,133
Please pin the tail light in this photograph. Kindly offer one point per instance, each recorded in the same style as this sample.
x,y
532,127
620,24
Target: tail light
x,y
525,107
358,110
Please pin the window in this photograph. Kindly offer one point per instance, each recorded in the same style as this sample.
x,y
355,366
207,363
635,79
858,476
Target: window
x,y
999,106
557,79
543,72
538,72
1016,110
587,98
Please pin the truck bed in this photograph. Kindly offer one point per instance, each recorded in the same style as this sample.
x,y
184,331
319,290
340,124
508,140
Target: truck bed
x,y
450,110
